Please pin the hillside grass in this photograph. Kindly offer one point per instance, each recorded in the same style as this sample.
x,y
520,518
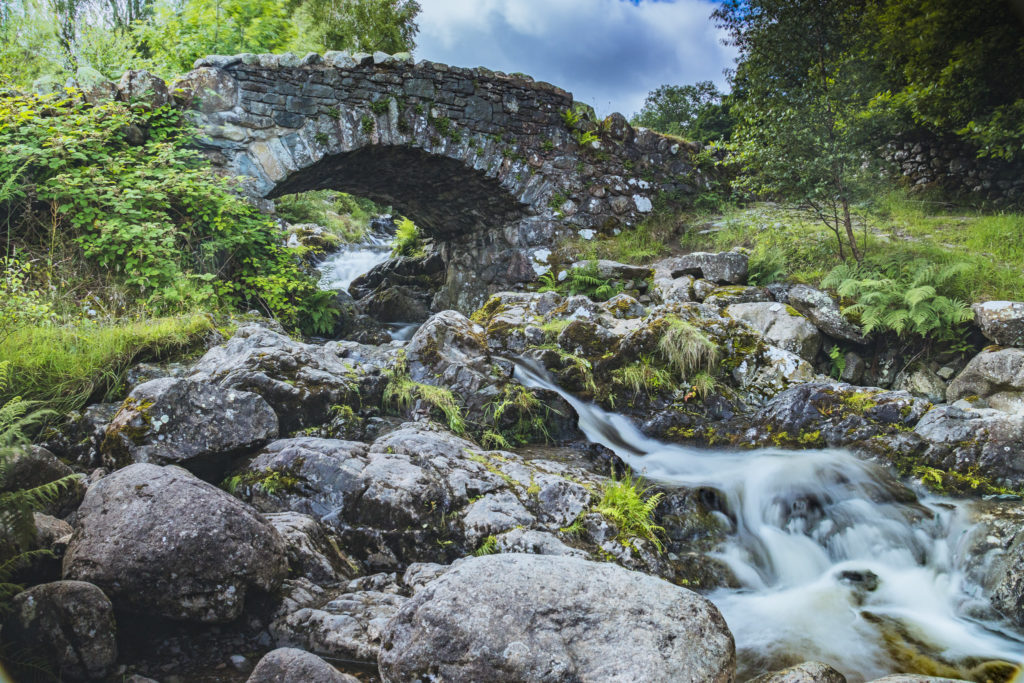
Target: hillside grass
x,y
787,243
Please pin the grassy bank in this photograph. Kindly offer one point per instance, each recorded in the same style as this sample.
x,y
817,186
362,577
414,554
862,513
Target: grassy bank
x,y
65,366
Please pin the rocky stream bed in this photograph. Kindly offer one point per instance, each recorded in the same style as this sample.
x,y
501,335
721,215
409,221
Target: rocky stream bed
x,y
279,508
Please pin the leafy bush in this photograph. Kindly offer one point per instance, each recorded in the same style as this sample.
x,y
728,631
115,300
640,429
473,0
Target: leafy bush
x,y
345,216
154,214
903,298
630,505
407,240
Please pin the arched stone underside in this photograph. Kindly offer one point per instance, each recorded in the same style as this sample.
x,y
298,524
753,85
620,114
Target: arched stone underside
x,y
482,161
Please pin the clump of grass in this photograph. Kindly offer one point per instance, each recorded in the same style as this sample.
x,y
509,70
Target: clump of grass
x,y
643,376
687,348
401,393
630,505
64,366
702,385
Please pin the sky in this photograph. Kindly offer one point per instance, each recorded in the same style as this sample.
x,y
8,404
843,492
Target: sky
x,y
608,53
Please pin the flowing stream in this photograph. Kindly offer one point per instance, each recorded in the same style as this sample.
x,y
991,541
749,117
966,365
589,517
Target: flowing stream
x,y
835,565
341,268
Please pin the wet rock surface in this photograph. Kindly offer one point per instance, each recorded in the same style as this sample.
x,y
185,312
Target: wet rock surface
x,y
544,618
290,665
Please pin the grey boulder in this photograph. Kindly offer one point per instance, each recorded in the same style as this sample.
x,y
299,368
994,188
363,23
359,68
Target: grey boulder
x,y
199,425
781,326
823,311
160,541
727,267
288,665
1001,321
807,672
70,624
545,618
996,375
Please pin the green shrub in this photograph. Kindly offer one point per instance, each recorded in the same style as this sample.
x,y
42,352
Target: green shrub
x,y
154,216
522,412
630,506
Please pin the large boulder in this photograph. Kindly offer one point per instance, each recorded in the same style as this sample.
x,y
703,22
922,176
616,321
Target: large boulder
x,y
34,466
1007,584
613,270
1001,321
727,267
547,618
417,494
996,375
159,541
142,87
289,665
823,311
921,380
313,552
198,425
68,624
781,326
301,382
347,628
979,442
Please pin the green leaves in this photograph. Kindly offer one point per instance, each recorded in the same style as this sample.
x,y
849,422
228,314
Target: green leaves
x,y
155,215
906,298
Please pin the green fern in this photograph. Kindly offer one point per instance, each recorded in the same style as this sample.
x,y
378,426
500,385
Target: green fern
x,y
906,298
629,504
17,525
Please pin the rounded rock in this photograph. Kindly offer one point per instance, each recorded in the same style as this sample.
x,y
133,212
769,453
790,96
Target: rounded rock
x,y
160,541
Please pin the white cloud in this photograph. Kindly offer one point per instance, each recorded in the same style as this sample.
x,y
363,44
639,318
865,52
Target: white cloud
x,y
608,53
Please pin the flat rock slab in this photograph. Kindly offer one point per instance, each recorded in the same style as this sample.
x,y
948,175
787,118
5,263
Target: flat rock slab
x,y
547,618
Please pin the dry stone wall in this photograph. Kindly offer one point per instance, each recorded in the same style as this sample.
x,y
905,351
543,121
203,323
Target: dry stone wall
x,y
483,161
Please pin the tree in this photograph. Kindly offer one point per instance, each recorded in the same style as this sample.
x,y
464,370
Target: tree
x,y
798,130
953,68
364,25
180,33
696,112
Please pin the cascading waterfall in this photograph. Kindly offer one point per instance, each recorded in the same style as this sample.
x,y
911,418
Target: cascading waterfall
x,y
834,563
341,268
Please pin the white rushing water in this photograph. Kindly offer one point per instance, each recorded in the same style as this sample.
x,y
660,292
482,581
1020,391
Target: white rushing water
x,y
829,558
340,269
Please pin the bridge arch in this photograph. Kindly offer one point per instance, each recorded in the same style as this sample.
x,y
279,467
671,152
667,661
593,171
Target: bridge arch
x,y
483,161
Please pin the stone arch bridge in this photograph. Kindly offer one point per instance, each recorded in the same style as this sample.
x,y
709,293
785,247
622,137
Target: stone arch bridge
x,y
484,162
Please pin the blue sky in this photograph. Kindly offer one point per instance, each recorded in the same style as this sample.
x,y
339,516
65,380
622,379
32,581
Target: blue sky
x,y
608,53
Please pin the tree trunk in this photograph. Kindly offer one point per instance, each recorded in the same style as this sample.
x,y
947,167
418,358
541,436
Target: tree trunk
x,y
848,224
